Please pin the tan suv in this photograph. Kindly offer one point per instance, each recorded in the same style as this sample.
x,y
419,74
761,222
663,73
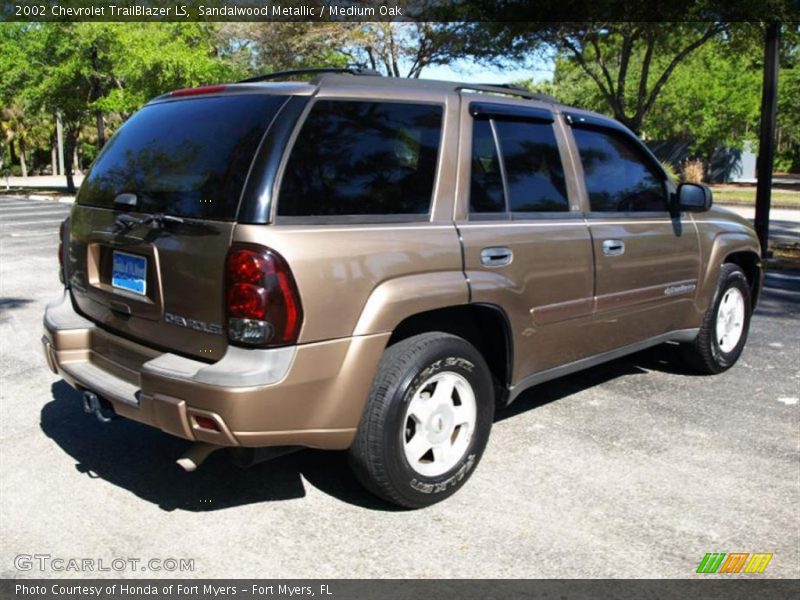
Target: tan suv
x,y
373,265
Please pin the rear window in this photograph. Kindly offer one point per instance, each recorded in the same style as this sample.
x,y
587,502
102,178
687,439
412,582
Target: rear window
x,y
363,158
187,158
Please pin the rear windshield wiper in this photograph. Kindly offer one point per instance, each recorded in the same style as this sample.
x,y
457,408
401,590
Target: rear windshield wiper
x,y
157,220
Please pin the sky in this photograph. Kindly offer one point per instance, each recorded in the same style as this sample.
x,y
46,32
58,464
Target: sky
x,y
464,70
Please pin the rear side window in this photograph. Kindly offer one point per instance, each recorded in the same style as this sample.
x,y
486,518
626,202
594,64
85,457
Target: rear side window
x,y
526,167
619,178
486,186
534,175
363,158
188,158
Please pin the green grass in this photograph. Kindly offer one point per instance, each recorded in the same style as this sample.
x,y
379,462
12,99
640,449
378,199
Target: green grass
x,y
747,197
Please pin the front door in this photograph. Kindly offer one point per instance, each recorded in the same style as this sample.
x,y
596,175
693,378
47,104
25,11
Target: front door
x,y
646,259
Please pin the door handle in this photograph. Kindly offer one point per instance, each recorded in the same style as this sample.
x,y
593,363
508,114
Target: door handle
x,y
496,256
613,247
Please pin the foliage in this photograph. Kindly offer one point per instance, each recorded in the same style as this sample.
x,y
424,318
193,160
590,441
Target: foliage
x,y
692,171
712,99
788,129
627,64
690,80
670,170
387,46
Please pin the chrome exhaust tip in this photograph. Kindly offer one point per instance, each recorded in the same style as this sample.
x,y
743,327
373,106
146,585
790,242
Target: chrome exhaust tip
x,y
196,455
92,405
88,402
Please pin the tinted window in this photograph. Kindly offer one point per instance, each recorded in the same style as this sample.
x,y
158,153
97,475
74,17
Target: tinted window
x,y
534,175
486,185
188,157
363,158
618,176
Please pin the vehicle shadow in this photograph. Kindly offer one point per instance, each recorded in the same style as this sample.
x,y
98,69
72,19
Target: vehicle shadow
x,y
780,296
11,303
141,459
666,358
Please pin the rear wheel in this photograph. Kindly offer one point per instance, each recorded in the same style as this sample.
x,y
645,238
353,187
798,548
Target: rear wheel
x,y
427,420
725,326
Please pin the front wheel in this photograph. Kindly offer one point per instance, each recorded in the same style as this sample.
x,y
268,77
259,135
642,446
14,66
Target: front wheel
x,y
725,326
426,422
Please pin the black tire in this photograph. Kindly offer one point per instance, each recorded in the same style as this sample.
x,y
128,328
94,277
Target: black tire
x,y
377,455
705,355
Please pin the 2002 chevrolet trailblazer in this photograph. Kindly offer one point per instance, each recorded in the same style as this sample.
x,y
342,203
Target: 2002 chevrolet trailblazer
x,y
375,265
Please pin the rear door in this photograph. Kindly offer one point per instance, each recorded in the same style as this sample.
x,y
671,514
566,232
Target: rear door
x,y
526,246
646,259
155,215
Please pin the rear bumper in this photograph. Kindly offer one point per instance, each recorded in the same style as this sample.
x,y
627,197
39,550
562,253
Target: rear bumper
x,y
310,395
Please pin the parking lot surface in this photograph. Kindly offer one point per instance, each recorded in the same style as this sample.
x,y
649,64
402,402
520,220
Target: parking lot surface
x,y
636,468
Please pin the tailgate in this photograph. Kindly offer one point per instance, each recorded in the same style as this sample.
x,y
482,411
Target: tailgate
x,y
169,282
154,218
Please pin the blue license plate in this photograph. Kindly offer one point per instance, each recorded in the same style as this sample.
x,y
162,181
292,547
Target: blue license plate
x,y
129,273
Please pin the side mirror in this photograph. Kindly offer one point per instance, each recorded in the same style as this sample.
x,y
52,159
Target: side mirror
x,y
694,197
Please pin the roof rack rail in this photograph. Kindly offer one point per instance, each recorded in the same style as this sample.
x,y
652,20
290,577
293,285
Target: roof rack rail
x,y
314,71
508,89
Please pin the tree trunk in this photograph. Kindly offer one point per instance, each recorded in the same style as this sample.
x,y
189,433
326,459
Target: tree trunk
x,y
69,155
101,130
76,160
23,165
53,159
632,123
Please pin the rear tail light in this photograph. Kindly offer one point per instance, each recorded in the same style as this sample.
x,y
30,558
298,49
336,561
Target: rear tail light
x,y
261,298
63,232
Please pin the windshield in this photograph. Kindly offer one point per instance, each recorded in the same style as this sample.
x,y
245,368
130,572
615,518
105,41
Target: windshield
x,y
187,158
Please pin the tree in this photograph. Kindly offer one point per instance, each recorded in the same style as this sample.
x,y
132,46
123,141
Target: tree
x,y
259,48
154,58
16,114
788,129
84,71
627,63
406,49
712,99
394,49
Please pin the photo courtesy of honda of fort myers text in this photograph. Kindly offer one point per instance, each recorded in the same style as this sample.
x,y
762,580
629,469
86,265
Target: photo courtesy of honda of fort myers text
x,y
399,299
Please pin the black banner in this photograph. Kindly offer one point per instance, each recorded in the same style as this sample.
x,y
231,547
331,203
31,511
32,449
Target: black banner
x,y
400,10
729,588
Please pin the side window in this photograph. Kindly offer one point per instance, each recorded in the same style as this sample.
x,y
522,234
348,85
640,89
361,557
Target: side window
x,y
486,182
534,174
529,160
618,177
363,158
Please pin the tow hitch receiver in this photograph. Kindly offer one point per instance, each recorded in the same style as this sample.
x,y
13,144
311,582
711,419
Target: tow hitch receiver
x,y
92,405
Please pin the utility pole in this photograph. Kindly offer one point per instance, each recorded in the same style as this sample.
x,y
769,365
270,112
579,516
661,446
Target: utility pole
x,y
60,143
766,146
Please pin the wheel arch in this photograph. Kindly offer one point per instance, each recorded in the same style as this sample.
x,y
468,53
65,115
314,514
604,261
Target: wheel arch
x,y
485,326
750,262
737,248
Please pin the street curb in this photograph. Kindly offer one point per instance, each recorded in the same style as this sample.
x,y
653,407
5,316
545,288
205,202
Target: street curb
x,y
63,199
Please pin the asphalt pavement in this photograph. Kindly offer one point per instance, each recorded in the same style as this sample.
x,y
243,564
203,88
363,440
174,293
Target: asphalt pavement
x,y
636,468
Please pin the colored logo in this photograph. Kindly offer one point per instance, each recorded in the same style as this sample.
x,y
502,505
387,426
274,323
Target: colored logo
x,y
734,562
